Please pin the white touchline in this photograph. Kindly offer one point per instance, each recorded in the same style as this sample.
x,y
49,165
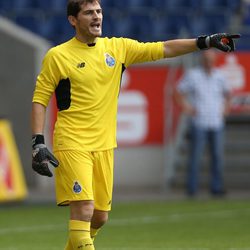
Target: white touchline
x,y
165,248
133,248
177,217
156,248
27,228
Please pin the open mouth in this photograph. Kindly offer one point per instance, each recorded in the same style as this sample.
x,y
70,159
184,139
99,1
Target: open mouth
x,y
96,26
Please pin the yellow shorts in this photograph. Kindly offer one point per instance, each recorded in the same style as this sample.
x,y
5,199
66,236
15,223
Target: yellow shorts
x,y
85,176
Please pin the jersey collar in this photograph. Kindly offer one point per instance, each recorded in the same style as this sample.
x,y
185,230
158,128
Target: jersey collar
x,y
85,45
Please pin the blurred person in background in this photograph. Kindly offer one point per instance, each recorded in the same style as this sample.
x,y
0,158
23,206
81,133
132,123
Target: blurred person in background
x,y
85,74
204,95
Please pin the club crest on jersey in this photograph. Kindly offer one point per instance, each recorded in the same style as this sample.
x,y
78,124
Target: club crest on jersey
x,y
77,188
110,61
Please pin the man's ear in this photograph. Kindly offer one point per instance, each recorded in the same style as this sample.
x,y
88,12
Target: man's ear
x,y
72,20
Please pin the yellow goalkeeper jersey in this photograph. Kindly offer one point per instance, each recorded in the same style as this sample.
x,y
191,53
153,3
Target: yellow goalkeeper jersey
x,y
86,81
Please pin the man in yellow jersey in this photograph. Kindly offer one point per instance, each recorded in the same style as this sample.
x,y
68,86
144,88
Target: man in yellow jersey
x,y
85,74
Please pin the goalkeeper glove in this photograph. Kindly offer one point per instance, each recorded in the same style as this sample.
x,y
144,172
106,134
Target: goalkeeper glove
x,y
41,156
221,41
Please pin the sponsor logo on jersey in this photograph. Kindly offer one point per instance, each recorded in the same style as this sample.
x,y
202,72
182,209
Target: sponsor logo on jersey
x,y
110,61
77,188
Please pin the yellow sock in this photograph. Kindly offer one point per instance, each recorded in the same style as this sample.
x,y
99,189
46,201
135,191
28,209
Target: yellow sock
x,y
68,245
79,235
94,232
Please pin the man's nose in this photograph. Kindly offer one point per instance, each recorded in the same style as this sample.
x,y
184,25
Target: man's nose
x,y
96,14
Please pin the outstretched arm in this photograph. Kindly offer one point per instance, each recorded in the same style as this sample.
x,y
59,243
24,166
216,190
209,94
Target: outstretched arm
x,y
221,41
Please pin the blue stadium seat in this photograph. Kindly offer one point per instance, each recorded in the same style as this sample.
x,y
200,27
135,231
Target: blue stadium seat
x,y
59,5
160,28
55,28
6,5
48,5
198,24
138,3
28,20
244,44
209,22
246,17
177,21
125,5
107,3
233,5
123,26
42,4
210,4
46,26
219,21
108,26
171,5
62,30
23,4
121,5
140,19
142,26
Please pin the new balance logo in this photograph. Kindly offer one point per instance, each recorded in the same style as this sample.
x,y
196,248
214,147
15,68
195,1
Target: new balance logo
x,y
81,65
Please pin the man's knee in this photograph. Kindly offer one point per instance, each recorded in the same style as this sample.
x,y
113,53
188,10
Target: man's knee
x,y
99,218
81,210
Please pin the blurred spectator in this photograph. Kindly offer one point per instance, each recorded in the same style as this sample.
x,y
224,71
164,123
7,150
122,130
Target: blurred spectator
x,y
203,95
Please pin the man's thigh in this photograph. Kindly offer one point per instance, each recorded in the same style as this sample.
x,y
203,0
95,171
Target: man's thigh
x,y
74,176
103,170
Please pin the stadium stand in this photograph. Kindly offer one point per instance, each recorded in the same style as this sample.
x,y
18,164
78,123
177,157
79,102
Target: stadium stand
x,y
28,20
55,5
146,20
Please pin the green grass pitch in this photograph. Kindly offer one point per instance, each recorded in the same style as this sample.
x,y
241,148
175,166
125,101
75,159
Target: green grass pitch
x,y
169,225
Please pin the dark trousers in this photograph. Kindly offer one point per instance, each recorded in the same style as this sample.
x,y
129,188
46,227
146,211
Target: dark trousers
x,y
215,140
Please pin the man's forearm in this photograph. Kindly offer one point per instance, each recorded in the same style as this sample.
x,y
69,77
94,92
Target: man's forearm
x,y
38,118
178,47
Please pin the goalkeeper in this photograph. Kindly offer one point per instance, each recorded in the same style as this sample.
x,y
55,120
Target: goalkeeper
x,y
85,74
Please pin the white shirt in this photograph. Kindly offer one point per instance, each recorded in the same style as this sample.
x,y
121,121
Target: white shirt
x,y
206,93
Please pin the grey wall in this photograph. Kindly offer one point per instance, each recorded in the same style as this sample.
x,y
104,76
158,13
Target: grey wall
x,y
139,168
16,87
21,54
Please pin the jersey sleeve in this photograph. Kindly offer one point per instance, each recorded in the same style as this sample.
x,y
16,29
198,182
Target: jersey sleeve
x,y
47,80
139,52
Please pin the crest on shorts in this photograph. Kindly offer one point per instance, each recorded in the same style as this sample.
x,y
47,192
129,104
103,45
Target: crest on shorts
x,y
77,188
110,61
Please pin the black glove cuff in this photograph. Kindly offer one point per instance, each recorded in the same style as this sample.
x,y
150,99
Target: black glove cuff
x,y
37,139
202,42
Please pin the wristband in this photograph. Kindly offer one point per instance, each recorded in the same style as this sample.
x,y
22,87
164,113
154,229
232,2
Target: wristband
x,y
37,139
203,42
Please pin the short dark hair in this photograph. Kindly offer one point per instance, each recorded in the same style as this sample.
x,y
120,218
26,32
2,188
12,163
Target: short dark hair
x,y
74,6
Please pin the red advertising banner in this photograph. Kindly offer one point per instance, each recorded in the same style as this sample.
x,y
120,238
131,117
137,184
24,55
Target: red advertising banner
x,y
236,68
141,109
